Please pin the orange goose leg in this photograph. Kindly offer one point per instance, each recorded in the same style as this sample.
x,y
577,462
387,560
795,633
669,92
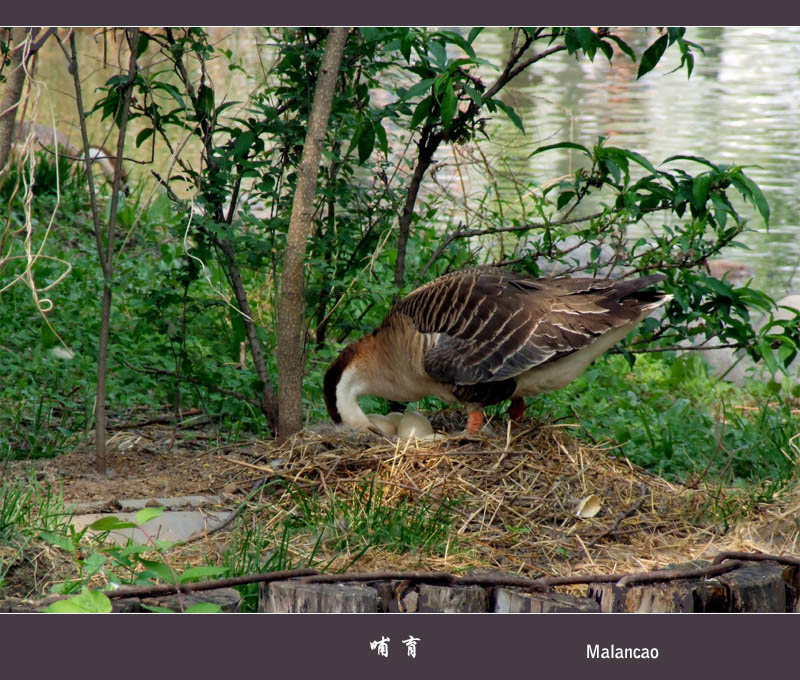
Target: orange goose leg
x,y
517,409
474,422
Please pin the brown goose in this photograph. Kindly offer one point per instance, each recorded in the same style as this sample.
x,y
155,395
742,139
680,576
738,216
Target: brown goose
x,y
479,336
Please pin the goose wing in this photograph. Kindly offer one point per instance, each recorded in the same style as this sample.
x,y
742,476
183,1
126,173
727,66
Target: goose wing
x,y
487,325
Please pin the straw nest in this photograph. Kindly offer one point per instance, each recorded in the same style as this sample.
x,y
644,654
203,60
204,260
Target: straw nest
x,y
534,500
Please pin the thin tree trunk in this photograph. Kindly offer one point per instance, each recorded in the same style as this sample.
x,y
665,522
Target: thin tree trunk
x,y
267,398
427,147
291,311
104,253
13,91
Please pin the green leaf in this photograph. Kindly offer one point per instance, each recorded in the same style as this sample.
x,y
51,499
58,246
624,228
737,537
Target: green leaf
x,y
141,46
110,524
641,160
59,541
564,198
722,288
721,209
205,100
562,145
458,40
171,89
158,569
155,609
696,159
366,143
587,39
652,55
205,571
146,514
88,602
756,196
474,33
474,95
449,105
94,563
422,111
623,46
380,133
370,34
243,143
418,89
766,353
512,114
700,187
439,53
143,136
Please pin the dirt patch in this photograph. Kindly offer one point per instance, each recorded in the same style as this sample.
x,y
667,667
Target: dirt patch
x,y
142,463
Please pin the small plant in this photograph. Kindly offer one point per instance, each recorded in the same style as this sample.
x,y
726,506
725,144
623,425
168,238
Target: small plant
x,y
122,565
26,509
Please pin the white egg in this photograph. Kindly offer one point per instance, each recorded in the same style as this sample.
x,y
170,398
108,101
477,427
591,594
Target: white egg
x,y
414,424
384,424
395,417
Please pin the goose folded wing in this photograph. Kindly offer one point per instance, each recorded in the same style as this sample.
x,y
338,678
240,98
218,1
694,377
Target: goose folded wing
x,y
491,326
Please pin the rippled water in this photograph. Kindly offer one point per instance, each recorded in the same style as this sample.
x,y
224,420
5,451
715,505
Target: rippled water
x,y
741,105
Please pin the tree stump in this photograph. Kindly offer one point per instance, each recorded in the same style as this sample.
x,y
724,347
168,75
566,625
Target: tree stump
x,y
453,599
510,601
294,597
758,587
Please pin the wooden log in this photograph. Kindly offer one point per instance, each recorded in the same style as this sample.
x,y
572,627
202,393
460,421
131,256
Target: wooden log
x,y
511,601
295,597
759,587
452,599
682,596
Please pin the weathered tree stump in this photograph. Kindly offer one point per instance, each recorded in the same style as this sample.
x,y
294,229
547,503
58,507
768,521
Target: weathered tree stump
x,y
510,601
292,596
451,600
756,588
681,596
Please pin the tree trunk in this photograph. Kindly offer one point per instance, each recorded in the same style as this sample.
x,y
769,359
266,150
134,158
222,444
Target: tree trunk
x,y
13,91
291,312
427,147
104,253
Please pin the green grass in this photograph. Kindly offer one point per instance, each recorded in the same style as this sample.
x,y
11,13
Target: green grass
x,y
26,509
356,522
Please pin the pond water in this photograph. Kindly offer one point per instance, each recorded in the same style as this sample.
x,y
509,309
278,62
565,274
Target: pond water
x,y
739,106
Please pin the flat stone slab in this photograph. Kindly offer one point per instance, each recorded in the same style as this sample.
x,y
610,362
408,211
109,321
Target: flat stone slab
x,y
172,525
133,504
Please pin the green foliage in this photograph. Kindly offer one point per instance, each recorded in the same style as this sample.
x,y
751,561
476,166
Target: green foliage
x,y
669,416
88,602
